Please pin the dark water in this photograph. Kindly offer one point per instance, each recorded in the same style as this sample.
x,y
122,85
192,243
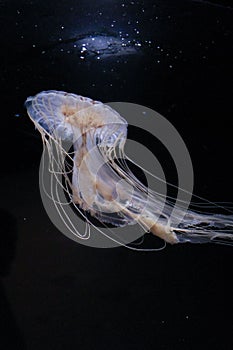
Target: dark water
x,y
56,294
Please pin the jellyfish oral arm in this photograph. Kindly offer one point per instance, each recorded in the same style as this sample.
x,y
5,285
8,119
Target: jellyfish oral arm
x,y
114,190
161,231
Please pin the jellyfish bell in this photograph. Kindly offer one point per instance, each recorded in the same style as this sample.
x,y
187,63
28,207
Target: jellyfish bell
x,y
102,187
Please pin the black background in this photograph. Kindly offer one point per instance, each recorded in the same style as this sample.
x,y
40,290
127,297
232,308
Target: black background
x,y
56,294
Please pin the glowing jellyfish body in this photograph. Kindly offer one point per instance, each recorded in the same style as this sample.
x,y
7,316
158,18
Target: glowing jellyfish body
x,y
101,186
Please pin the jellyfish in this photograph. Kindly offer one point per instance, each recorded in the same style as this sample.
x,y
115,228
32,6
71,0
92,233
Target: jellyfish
x,y
97,178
